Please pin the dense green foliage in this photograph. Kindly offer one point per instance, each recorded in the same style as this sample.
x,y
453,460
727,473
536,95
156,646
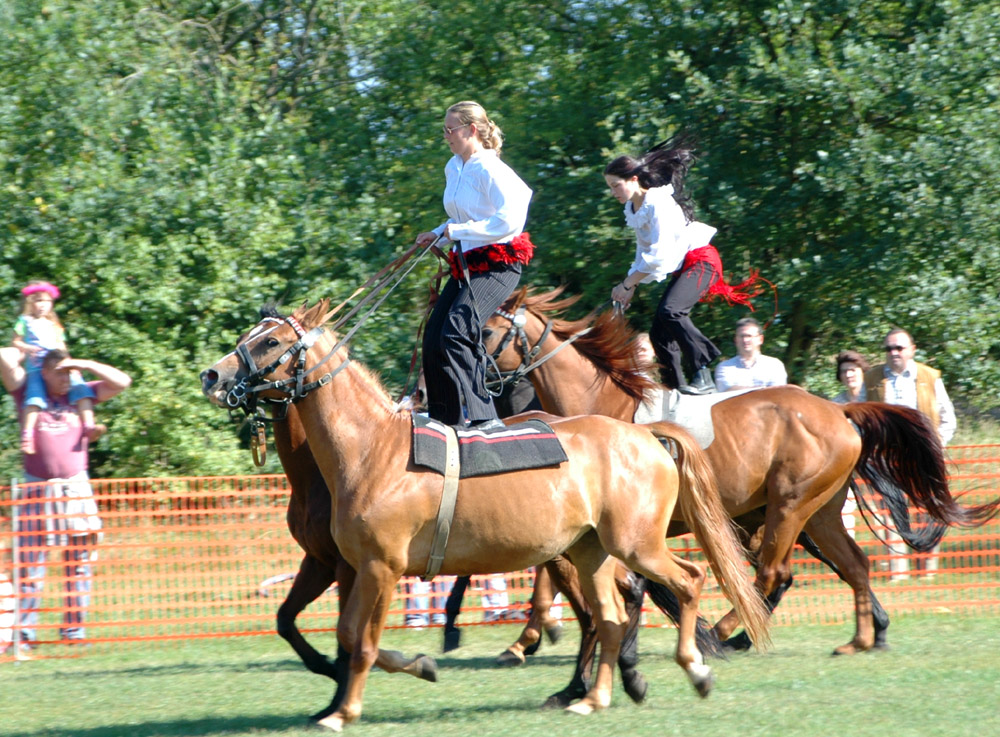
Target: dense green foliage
x,y
174,164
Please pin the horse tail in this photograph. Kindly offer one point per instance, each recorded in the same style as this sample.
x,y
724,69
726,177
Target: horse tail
x,y
701,507
902,458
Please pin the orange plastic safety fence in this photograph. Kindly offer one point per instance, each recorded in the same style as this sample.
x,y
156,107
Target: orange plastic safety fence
x,y
187,558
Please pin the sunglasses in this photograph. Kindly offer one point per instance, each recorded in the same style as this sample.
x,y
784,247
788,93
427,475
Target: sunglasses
x,y
894,348
448,131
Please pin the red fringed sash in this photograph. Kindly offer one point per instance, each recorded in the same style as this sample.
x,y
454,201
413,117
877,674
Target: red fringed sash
x,y
518,251
734,294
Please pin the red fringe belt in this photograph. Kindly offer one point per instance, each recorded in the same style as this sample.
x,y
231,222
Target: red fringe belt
x,y
518,251
734,294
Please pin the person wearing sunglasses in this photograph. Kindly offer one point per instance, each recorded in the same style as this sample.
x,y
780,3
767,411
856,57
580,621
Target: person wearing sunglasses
x,y
903,380
487,206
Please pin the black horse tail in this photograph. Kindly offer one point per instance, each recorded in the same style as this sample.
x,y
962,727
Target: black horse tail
x,y
902,458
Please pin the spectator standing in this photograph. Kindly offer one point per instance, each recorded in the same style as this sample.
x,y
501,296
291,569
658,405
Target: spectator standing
x,y
58,507
749,368
902,380
851,367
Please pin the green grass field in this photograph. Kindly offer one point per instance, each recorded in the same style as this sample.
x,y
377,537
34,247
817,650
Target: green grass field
x,y
941,677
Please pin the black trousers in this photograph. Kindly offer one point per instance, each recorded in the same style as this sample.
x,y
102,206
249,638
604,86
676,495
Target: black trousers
x,y
453,355
673,335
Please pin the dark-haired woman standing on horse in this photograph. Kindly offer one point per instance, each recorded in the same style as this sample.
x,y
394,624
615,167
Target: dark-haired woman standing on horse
x,y
670,242
487,205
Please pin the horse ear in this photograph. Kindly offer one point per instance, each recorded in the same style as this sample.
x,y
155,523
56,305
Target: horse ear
x,y
311,317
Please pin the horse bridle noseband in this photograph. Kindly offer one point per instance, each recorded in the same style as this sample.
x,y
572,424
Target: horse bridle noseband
x,y
247,389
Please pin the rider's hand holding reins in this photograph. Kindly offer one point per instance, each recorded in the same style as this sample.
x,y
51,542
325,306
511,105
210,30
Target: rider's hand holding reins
x,y
622,294
430,236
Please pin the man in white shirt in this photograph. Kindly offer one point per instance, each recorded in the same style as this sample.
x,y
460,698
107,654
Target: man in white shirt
x,y
902,380
749,368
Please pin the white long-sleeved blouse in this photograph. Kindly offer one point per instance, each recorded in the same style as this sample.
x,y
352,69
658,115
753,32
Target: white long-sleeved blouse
x,y
486,201
663,236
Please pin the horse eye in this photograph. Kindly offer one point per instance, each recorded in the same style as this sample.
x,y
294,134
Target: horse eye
x,y
487,332
271,342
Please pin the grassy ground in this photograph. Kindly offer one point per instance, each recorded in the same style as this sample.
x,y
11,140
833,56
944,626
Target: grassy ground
x,y
941,677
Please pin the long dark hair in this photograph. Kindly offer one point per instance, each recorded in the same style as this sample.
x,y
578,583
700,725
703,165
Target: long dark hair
x,y
665,163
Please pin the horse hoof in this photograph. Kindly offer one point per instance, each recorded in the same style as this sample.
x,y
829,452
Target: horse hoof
x,y
452,639
635,686
850,649
509,659
580,708
559,700
702,678
333,722
737,643
427,668
554,633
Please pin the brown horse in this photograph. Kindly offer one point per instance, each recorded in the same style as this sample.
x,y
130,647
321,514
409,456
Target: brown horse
x,y
613,497
308,520
782,457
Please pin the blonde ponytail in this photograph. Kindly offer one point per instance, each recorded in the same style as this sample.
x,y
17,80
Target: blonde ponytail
x,y
488,132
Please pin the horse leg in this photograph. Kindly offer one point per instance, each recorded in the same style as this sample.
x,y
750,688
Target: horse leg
x,y
632,588
685,579
313,578
774,570
826,528
880,618
359,630
545,590
567,581
597,579
531,635
452,607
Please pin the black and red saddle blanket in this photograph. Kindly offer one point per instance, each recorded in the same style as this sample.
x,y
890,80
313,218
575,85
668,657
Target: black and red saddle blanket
x,y
528,444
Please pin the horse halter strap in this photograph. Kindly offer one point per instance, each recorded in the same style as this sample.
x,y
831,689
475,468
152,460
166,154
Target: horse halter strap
x,y
528,354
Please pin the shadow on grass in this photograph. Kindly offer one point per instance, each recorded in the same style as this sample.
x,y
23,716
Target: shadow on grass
x,y
490,662
262,724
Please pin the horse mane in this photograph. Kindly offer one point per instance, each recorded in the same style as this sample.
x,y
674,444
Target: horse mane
x,y
611,345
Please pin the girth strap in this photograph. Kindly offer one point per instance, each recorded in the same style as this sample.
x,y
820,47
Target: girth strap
x,y
446,512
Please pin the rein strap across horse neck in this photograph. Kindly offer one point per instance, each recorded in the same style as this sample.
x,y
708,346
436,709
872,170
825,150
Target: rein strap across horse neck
x,y
528,354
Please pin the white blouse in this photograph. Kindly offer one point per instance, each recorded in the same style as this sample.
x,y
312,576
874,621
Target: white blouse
x,y
663,236
485,200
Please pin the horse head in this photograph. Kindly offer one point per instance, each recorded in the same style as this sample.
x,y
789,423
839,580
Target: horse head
x,y
528,330
262,364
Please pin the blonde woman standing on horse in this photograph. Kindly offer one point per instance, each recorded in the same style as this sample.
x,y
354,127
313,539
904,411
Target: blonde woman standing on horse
x,y
671,243
487,205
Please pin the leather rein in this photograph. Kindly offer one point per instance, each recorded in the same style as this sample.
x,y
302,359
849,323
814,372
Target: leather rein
x,y
245,394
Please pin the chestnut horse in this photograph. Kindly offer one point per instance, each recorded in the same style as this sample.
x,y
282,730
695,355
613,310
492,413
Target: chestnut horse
x,y
783,458
308,519
614,496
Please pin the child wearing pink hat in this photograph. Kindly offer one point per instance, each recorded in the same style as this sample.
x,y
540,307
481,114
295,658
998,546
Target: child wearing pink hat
x,y
36,332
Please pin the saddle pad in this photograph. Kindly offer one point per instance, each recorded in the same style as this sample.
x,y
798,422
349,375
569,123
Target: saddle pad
x,y
529,444
693,413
